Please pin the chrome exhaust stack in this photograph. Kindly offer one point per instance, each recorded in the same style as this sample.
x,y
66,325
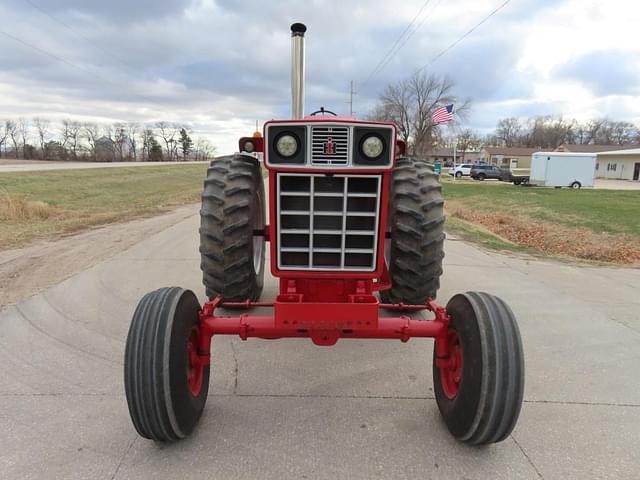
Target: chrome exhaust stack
x,y
297,69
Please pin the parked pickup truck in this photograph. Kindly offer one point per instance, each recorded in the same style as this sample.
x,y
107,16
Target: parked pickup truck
x,y
484,172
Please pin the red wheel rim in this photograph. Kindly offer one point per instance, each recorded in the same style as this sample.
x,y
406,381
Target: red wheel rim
x,y
195,366
451,374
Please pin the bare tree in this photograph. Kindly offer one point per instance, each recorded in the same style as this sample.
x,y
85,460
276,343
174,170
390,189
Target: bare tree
x,y
3,138
148,139
410,104
91,132
12,130
23,133
71,136
120,140
508,131
168,132
132,133
466,141
42,126
396,107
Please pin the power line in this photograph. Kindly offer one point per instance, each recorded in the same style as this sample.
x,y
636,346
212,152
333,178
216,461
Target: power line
x,y
53,55
82,36
69,63
462,37
408,37
391,52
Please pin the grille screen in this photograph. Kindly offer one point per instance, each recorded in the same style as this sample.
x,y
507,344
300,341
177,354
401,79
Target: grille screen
x,y
329,145
328,222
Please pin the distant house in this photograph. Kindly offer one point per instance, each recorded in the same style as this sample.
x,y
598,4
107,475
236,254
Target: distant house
x,y
105,149
619,164
508,157
445,156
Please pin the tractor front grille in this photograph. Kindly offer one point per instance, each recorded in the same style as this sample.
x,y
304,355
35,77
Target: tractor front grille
x,y
329,145
328,222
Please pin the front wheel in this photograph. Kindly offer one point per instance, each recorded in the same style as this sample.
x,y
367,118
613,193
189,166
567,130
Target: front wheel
x,y
458,174
480,388
576,185
166,382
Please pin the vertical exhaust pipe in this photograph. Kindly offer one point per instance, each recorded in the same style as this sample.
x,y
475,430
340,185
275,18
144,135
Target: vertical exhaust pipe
x,y
297,70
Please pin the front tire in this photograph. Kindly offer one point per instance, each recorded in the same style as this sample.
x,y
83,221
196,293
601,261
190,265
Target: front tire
x,y
480,392
458,174
416,221
232,221
165,384
576,185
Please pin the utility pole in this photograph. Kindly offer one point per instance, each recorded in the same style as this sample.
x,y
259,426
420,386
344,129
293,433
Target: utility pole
x,y
351,92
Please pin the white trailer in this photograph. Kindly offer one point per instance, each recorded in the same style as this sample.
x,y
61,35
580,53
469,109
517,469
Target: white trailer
x,y
563,169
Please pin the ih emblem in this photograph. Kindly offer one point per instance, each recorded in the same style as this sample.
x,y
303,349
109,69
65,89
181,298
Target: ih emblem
x,y
329,147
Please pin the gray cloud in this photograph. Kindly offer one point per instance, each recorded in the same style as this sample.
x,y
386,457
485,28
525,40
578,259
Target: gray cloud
x,y
221,64
605,72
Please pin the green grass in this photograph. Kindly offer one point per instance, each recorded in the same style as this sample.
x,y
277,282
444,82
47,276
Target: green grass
x,y
79,199
610,211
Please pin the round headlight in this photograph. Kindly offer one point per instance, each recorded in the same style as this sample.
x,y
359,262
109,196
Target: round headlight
x,y
372,146
287,145
249,147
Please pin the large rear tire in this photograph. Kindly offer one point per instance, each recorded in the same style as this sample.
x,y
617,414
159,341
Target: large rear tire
x,y
416,220
165,384
480,392
232,221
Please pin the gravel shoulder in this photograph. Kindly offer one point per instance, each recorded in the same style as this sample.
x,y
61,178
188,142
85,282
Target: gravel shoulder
x,y
27,271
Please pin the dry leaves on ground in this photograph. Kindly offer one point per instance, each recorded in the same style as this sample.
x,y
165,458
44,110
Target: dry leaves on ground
x,y
552,238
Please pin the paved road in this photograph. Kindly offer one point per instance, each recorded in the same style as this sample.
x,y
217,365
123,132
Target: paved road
x,y
288,409
39,165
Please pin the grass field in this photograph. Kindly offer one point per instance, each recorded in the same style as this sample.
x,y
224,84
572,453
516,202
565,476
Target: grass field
x,y
38,205
602,225
591,224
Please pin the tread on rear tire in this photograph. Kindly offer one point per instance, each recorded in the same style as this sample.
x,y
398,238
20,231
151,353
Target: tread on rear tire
x,y
416,219
233,209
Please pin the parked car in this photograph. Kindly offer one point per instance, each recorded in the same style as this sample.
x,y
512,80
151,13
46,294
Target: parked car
x,y
483,172
462,170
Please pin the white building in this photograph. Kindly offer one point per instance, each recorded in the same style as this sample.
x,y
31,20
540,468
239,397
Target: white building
x,y
619,164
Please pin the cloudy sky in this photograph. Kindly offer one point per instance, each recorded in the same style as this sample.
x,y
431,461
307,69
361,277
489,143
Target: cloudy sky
x,y
220,65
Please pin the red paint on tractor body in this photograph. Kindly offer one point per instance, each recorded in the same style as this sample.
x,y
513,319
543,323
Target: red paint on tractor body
x,y
327,305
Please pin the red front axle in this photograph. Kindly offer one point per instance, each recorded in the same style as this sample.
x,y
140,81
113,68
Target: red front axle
x,y
324,322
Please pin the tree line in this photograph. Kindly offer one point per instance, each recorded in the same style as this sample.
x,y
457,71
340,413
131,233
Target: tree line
x,y
552,131
100,142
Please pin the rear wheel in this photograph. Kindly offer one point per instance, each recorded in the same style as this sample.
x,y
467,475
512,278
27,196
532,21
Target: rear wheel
x,y
479,392
166,384
232,221
458,174
416,221
481,176
576,185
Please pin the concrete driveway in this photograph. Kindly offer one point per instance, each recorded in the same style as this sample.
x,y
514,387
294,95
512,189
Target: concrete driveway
x,y
288,409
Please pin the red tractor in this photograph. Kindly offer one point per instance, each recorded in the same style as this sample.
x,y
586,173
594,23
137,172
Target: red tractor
x,y
349,216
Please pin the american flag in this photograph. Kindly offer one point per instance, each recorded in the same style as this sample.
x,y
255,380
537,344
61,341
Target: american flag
x,y
443,115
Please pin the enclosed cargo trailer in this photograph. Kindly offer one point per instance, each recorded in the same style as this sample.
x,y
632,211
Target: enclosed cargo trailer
x,y
563,169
